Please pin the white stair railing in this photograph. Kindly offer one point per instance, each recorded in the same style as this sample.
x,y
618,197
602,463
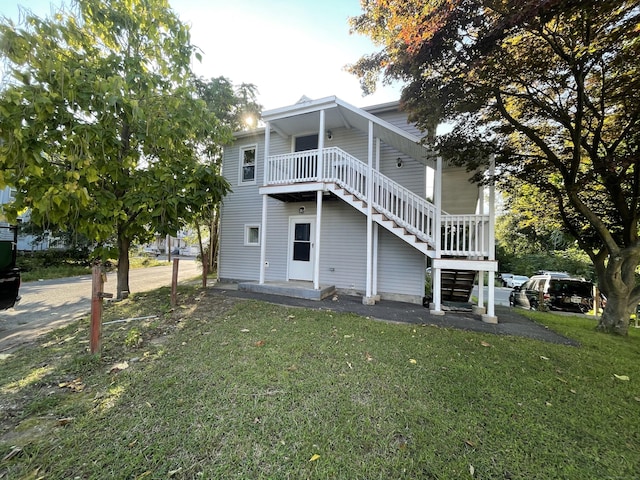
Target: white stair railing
x,y
461,234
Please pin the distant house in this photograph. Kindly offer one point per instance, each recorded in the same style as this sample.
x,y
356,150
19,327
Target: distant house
x,y
26,242
328,197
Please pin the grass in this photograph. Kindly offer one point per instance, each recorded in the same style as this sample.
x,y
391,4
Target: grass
x,y
224,388
72,270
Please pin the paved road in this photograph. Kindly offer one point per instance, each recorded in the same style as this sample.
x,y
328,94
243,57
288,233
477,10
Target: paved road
x,y
501,294
51,304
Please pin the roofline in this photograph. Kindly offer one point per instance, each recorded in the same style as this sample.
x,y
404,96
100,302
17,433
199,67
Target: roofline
x,y
300,108
383,107
249,133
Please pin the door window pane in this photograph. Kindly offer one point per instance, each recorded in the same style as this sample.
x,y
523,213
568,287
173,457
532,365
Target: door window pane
x,y
302,251
302,232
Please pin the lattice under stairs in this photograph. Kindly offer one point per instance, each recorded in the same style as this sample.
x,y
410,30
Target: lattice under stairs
x,y
456,285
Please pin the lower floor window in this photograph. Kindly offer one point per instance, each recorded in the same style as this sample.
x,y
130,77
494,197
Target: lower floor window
x,y
252,234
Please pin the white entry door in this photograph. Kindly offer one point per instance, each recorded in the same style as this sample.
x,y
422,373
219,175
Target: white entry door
x,y
301,247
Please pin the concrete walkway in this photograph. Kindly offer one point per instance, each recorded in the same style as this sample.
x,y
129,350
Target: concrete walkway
x,y
510,322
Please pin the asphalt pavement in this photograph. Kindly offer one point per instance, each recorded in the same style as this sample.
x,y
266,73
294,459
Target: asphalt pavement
x,y
510,321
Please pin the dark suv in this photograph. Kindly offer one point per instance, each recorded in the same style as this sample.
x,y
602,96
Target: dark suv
x,y
557,293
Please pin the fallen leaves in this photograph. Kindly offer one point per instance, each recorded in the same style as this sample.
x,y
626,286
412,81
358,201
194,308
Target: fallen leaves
x,y
118,367
314,457
74,385
65,421
413,361
259,343
623,378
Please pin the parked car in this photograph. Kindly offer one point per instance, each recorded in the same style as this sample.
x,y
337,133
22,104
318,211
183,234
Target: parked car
x,y
505,278
151,251
516,281
556,293
9,273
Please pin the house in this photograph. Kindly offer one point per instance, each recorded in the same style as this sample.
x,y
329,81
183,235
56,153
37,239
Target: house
x,y
330,197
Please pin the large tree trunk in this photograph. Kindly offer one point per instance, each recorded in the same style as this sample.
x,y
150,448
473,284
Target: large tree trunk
x,y
122,289
615,316
618,281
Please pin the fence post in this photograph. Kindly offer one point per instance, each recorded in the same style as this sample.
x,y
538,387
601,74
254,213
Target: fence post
x,y
97,285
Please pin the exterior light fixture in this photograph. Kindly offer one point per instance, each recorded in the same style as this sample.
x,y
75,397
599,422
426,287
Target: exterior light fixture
x,y
329,135
301,210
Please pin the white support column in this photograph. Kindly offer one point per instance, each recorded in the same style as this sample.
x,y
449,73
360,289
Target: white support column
x,y
436,306
490,317
479,308
263,224
368,298
316,260
263,239
321,133
319,177
267,146
374,291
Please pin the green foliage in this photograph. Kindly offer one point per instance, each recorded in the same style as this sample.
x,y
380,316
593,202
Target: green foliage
x,y
48,258
101,129
133,338
552,88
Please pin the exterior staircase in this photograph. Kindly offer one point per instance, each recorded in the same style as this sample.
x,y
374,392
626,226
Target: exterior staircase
x,y
408,216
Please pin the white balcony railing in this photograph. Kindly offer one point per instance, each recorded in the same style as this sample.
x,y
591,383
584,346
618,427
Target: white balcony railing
x,y
462,235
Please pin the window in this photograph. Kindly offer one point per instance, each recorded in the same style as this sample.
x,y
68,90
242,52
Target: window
x,y
248,164
252,235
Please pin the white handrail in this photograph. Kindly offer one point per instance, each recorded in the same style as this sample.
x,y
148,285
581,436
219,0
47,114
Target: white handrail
x,y
461,234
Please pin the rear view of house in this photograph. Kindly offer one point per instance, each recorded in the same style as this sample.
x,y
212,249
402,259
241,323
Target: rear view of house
x,y
338,198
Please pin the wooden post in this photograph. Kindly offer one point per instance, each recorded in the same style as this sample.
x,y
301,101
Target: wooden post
x,y
541,298
97,284
174,283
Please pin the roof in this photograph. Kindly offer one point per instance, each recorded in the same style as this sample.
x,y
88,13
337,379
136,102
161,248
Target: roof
x,y
304,117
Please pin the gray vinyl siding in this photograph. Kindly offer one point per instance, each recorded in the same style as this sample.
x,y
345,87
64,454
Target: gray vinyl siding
x,y
459,196
343,234
401,268
399,119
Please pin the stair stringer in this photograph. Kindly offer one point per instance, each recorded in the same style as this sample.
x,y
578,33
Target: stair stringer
x,y
382,220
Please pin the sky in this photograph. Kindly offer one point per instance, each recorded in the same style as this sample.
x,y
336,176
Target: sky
x,y
287,48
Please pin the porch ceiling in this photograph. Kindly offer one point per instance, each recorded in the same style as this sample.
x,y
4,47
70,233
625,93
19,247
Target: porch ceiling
x,y
304,118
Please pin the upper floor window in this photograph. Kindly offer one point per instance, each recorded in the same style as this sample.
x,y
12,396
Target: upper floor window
x,y
248,164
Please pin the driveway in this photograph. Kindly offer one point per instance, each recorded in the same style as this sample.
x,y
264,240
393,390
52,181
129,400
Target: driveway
x,y
50,304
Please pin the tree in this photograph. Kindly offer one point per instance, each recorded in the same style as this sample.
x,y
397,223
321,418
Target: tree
x,y
553,86
100,125
237,108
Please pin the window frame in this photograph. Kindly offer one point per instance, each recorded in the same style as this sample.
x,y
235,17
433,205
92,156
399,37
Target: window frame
x,y
247,229
241,165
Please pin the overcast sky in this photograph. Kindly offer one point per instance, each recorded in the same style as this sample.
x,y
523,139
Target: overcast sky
x,y
287,48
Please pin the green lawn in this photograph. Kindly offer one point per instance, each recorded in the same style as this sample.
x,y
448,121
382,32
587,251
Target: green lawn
x,y
224,388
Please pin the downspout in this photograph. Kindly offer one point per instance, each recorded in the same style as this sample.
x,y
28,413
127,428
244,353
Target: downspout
x,y
319,176
436,307
368,298
263,224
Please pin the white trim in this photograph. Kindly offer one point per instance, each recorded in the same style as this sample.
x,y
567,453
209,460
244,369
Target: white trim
x,y
241,150
311,219
263,240
247,228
